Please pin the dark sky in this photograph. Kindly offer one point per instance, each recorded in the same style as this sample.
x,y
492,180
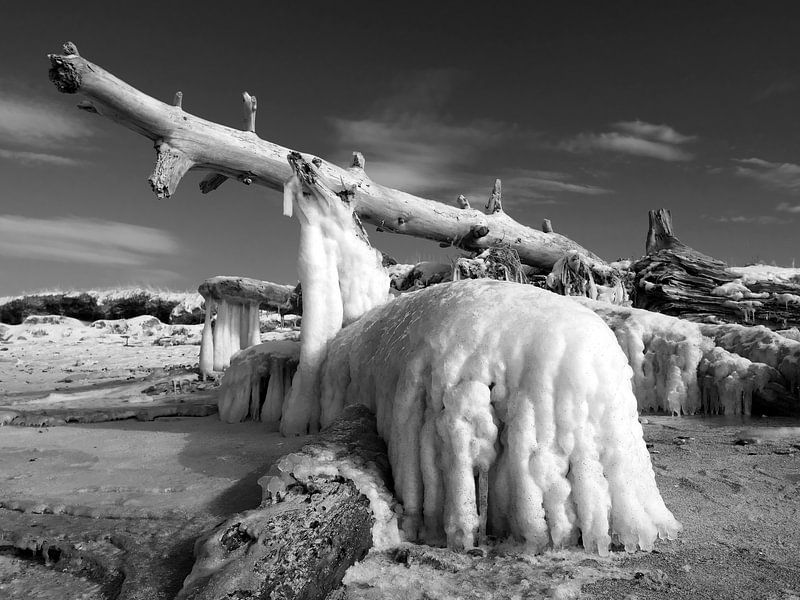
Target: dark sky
x,y
591,113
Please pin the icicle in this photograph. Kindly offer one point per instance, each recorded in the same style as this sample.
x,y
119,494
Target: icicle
x,y
244,326
288,376
273,402
234,329
290,189
207,343
255,396
255,326
221,355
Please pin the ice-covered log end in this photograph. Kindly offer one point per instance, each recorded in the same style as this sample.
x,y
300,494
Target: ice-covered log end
x,y
524,429
258,383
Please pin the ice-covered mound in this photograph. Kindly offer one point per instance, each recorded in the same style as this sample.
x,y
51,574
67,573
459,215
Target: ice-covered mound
x,y
536,405
664,353
258,382
729,381
679,369
142,330
42,329
762,345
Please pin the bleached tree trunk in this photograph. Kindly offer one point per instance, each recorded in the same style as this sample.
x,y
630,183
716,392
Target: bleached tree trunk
x,y
185,142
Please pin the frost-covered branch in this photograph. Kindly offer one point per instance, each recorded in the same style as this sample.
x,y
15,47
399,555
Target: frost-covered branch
x,y
185,142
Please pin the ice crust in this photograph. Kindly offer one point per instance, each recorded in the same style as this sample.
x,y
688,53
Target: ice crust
x,y
538,408
302,466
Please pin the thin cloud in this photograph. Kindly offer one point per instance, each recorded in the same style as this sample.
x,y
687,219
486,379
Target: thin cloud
x,y
778,176
542,184
92,241
412,143
776,88
32,159
635,138
528,187
31,122
790,208
659,133
419,153
747,219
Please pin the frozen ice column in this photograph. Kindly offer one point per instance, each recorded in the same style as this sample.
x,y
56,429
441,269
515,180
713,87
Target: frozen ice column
x,y
341,276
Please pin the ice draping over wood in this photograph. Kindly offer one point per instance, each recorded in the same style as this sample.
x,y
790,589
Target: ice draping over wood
x,y
762,345
342,277
236,301
574,275
539,408
681,368
728,382
237,326
258,383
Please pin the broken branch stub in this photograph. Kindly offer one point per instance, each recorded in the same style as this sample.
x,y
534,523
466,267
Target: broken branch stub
x,y
171,166
494,205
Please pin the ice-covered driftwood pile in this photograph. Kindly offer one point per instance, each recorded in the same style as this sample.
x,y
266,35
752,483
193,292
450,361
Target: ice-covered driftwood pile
x,y
683,368
236,301
323,508
488,429
762,345
678,280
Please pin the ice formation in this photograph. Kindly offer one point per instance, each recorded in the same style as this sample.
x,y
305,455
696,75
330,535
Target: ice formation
x,y
341,277
572,276
678,369
664,353
728,382
762,345
258,383
538,408
237,326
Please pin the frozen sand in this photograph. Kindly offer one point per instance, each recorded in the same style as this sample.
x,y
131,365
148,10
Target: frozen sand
x,y
140,492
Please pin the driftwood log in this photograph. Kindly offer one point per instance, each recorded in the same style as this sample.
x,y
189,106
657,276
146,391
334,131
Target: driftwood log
x,y
301,540
184,141
677,280
244,290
